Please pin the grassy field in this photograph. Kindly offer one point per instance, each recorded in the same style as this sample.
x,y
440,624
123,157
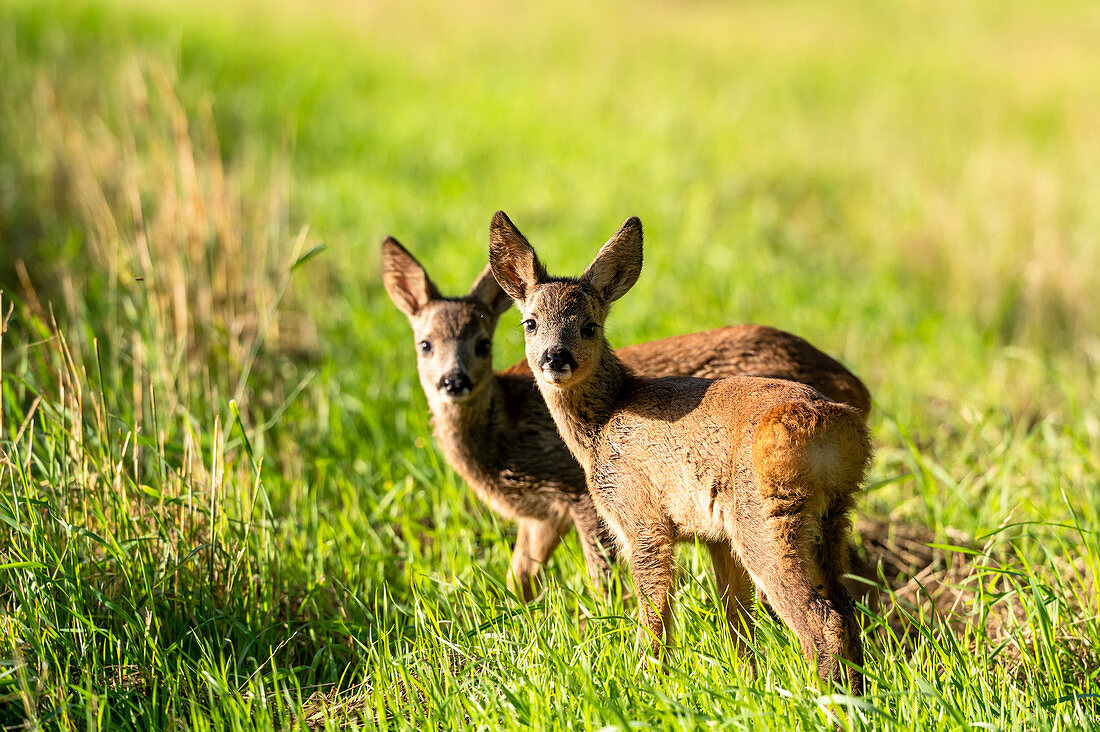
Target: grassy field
x,y
220,501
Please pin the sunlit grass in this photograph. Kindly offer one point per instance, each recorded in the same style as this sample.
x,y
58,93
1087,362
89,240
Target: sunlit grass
x,y
221,504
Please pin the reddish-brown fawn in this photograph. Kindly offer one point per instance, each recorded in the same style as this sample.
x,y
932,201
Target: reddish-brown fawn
x,y
764,471
494,428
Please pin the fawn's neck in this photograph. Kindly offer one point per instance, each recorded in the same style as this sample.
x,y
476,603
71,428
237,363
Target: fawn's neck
x,y
466,430
582,410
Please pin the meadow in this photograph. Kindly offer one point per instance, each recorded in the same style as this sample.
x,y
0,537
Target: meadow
x,y
220,501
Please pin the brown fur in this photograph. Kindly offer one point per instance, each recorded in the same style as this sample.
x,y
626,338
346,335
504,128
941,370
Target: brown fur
x,y
502,440
764,471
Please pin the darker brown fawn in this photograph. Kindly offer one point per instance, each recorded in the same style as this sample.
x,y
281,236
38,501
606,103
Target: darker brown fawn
x,y
496,432
764,471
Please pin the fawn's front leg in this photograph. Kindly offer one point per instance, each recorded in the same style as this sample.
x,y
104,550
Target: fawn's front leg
x,y
653,569
536,541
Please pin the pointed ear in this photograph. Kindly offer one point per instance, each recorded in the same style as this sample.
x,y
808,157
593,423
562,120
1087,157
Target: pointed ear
x,y
514,263
488,291
407,283
617,267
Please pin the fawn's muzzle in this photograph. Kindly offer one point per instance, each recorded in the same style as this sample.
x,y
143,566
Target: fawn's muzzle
x,y
557,364
455,384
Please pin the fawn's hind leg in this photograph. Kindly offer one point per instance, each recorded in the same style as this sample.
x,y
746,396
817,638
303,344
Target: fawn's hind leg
x,y
536,541
833,558
782,563
735,591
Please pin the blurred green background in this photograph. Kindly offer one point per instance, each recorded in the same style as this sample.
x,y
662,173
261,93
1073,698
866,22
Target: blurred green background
x,y
192,196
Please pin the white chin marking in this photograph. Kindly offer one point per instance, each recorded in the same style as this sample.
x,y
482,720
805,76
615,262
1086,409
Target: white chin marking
x,y
556,376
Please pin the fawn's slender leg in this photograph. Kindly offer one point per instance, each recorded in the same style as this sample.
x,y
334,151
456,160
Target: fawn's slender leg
x,y
863,568
782,562
536,541
735,591
596,541
653,568
833,557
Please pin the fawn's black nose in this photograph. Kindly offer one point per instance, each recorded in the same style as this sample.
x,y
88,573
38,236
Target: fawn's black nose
x,y
557,359
455,383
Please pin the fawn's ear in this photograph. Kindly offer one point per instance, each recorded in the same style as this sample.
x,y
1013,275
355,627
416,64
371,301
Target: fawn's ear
x,y
617,267
407,283
488,291
514,263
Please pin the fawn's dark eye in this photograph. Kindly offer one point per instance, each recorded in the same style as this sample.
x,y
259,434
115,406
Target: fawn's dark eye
x,y
483,347
588,330
425,347
530,326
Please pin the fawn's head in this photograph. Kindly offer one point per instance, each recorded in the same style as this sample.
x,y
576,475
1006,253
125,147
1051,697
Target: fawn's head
x,y
454,335
563,317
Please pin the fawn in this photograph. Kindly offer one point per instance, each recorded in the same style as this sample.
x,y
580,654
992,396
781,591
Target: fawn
x,y
763,471
496,432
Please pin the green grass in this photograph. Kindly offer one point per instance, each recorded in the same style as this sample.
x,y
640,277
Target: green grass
x,y
221,504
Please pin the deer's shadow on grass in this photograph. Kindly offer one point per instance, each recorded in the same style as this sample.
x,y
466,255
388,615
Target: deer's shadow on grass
x,y
952,592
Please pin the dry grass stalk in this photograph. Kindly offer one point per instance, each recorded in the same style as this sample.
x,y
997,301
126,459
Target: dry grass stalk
x,y
196,254
190,256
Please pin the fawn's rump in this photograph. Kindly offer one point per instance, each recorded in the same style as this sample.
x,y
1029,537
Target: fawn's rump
x,y
810,452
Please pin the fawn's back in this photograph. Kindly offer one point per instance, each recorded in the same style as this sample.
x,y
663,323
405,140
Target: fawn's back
x,y
748,350
706,454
